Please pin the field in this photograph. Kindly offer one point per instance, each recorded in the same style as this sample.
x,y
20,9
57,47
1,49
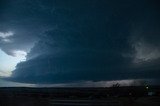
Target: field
x,y
116,96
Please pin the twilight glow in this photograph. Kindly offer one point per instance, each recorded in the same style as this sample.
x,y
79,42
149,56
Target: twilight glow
x,y
8,63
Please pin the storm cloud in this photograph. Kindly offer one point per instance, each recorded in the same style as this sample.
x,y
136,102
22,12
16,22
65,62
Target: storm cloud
x,y
83,40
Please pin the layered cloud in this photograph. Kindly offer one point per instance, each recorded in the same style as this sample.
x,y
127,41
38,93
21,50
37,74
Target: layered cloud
x,y
84,40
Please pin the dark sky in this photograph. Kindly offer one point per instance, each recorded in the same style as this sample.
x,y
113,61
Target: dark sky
x,y
82,40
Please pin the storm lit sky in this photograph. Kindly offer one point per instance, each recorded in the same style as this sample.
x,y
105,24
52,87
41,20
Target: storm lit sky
x,y
79,42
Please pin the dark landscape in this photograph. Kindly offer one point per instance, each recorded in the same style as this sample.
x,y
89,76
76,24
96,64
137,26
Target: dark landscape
x,y
113,96
79,52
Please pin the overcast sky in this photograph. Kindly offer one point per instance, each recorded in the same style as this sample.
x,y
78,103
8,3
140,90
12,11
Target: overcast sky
x,y
69,41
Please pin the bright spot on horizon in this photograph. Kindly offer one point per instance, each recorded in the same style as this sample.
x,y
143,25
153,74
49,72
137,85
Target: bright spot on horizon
x,y
8,63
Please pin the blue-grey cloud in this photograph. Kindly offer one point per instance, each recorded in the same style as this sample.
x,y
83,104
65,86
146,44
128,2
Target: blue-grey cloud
x,y
88,40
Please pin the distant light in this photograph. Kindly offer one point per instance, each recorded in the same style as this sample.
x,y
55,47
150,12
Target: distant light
x,y
147,87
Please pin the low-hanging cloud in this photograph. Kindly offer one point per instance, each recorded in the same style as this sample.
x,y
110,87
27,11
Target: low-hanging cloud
x,y
85,41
